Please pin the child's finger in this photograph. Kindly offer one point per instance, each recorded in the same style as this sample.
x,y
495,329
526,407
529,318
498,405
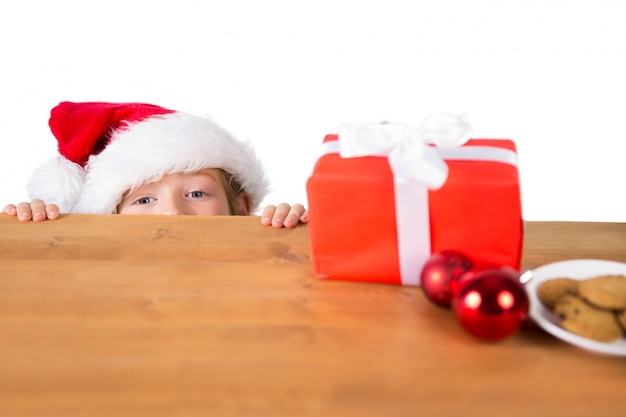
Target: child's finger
x,y
10,209
267,215
282,210
23,211
52,211
294,216
38,210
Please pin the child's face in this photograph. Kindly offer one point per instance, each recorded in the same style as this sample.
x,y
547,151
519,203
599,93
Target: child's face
x,y
199,193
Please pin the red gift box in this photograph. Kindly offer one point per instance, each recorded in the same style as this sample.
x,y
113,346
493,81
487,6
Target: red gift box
x,y
355,232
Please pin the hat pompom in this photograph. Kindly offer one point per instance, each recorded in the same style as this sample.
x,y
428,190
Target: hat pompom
x,y
59,181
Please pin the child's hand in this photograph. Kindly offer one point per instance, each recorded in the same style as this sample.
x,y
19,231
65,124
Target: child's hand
x,y
284,215
36,210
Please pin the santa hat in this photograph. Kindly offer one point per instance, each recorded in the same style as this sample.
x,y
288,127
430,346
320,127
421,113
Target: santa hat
x,y
106,149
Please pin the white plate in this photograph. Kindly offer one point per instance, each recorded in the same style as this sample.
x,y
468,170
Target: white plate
x,y
577,269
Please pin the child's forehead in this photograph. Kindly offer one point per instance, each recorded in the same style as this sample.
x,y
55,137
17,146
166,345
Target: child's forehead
x,y
211,172
214,174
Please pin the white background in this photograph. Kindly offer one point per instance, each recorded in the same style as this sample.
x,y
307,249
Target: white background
x,y
549,74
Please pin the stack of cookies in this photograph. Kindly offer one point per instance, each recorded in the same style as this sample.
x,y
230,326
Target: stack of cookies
x,y
594,308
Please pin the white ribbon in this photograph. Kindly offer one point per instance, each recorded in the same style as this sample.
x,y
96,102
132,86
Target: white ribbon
x,y
417,167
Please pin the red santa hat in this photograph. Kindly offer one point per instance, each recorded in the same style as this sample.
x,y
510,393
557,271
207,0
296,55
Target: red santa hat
x,y
106,149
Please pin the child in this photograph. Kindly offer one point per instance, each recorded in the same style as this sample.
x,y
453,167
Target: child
x,y
135,158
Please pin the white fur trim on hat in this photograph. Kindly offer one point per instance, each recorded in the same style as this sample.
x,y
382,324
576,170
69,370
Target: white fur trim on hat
x,y
144,152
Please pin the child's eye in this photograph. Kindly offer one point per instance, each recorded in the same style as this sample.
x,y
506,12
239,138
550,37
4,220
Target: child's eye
x,y
196,194
143,200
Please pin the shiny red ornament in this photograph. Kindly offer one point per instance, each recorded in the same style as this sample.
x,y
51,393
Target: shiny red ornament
x,y
439,271
491,304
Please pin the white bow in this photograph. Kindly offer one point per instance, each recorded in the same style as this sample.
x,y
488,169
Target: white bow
x,y
406,146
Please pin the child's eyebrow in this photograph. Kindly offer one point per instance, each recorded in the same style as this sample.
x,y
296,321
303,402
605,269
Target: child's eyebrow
x,y
207,172
140,189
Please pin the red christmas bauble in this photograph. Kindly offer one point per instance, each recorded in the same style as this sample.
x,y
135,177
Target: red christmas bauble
x,y
491,304
439,271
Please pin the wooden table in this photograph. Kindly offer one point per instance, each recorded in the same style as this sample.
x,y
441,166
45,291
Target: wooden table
x,y
188,316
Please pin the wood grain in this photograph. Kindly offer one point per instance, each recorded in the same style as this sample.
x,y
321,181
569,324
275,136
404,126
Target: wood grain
x,y
546,242
190,316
